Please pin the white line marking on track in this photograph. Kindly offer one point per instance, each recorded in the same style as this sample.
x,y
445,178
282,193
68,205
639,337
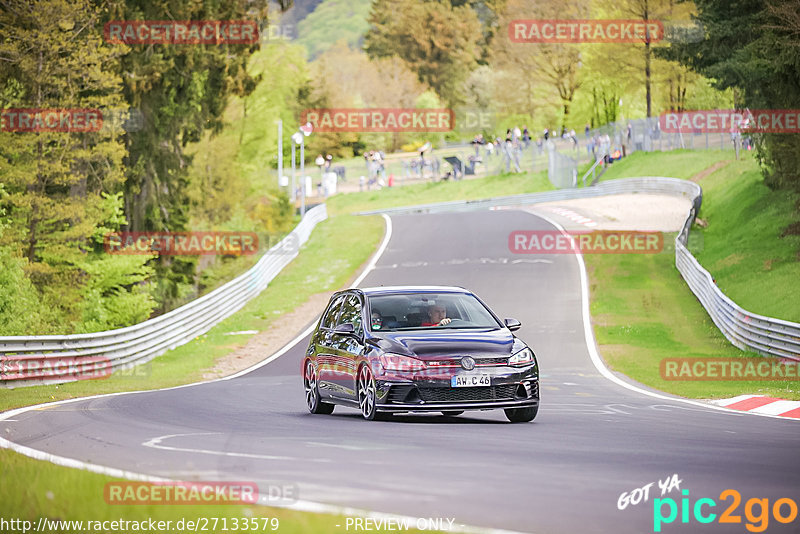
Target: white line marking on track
x,y
157,443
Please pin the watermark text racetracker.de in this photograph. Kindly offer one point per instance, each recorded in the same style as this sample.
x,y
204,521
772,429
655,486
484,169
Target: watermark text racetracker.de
x,y
181,243
150,525
731,120
585,31
58,368
74,120
379,120
677,369
586,242
180,32
51,120
197,492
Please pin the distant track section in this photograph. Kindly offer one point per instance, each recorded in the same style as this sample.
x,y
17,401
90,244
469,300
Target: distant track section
x,y
745,329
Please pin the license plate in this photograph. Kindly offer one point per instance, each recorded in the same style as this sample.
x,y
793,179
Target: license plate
x,y
469,381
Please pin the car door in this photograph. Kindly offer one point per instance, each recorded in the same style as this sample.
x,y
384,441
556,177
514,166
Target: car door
x,y
324,347
348,347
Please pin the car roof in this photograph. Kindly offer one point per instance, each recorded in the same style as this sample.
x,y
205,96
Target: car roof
x,y
387,290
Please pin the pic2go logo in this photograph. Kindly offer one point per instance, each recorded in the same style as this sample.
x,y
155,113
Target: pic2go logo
x,y
756,511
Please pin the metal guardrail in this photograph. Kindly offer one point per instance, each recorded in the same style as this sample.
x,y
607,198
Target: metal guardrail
x,y
32,360
746,330
610,187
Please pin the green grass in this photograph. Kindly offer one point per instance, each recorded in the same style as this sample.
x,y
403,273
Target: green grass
x,y
32,489
674,164
742,245
643,311
409,195
336,249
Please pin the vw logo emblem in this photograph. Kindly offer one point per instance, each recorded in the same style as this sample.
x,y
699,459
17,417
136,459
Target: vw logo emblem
x,y
468,363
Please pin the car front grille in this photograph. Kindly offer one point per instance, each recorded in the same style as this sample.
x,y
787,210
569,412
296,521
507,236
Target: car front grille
x,y
479,362
489,393
490,361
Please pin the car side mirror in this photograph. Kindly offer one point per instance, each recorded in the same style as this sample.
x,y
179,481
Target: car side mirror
x,y
345,329
512,324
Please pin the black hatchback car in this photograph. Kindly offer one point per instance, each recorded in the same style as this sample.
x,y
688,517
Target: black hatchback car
x,y
418,349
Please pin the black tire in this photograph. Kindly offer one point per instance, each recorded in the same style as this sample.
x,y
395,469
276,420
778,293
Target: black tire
x,y
313,400
367,394
521,415
452,413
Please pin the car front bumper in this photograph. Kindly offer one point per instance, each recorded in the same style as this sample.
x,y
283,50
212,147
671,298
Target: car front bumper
x,y
432,392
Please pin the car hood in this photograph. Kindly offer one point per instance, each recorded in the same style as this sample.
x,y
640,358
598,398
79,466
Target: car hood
x,y
436,344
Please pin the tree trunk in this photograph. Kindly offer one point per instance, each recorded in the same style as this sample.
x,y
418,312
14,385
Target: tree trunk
x,y
647,58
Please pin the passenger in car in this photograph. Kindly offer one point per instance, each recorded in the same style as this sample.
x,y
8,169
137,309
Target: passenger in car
x,y
376,320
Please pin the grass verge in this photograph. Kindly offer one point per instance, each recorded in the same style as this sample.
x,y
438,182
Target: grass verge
x,y
675,164
336,249
743,247
34,489
643,311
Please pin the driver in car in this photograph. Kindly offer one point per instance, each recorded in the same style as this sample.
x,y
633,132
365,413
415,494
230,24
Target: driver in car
x,y
437,316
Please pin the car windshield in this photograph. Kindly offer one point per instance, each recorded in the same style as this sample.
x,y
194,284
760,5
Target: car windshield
x,y
422,311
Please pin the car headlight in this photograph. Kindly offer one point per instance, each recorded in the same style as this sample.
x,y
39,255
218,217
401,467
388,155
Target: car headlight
x,y
397,362
522,358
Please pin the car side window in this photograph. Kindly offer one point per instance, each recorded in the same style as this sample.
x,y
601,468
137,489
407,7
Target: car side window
x,y
351,313
330,317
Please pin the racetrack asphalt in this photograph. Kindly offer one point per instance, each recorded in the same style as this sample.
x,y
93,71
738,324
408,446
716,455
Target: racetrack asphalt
x,y
564,472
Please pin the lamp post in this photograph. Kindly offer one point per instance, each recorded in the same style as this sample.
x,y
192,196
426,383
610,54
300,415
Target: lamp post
x,y
293,194
280,150
299,137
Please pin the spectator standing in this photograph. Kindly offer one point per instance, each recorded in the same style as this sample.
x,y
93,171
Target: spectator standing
x,y
477,141
320,161
628,139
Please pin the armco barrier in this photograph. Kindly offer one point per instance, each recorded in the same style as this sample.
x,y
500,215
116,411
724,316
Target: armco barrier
x,y
612,187
746,330
28,360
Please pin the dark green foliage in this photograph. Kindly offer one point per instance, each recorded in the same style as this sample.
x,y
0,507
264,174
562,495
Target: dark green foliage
x,y
754,46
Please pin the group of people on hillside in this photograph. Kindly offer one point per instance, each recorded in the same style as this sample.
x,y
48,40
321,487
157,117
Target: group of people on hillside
x,y
375,161
511,148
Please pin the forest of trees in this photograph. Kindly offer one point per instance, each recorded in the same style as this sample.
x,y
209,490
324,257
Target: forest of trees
x,y
202,155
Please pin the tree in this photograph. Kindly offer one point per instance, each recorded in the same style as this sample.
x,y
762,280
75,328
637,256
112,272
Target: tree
x,y
347,78
555,66
753,46
440,43
61,187
182,91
